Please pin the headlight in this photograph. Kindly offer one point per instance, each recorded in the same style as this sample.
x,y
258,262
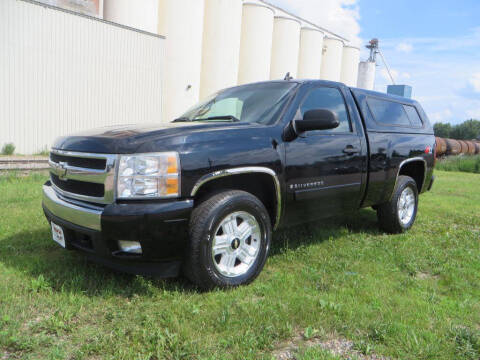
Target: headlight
x,y
148,176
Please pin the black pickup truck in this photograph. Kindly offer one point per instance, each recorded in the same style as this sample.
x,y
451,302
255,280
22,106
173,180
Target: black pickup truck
x,y
204,193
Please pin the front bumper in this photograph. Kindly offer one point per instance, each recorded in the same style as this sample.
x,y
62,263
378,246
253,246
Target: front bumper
x,y
90,218
160,227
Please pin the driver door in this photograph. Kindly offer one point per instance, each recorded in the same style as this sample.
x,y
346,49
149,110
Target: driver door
x,y
323,168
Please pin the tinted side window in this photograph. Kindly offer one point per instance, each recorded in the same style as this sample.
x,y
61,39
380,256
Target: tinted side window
x,y
331,99
388,112
413,116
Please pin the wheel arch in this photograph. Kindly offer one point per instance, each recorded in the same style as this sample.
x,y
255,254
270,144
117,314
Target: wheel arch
x,y
416,168
266,186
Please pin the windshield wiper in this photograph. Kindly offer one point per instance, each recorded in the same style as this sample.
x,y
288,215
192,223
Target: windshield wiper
x,y
223,117
182,119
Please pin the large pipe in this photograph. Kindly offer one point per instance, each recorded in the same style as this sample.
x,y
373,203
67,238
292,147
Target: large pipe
x,y
285,47
464,147
331,67
441,146
256,43
350,61
471,147
477,148
310,54
221,45
453,147
182,24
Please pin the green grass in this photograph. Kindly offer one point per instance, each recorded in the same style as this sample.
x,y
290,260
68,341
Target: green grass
x,y
410,296
463,163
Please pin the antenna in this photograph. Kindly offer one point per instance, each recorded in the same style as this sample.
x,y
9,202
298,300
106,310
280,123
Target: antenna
x,y
288,77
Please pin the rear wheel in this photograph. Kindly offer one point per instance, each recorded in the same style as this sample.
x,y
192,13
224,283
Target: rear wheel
x,y
399,214
229,240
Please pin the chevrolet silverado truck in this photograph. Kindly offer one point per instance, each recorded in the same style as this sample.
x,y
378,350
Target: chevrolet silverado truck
x,y
202,195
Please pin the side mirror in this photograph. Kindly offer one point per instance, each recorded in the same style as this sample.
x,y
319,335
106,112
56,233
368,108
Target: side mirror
x,y
318,119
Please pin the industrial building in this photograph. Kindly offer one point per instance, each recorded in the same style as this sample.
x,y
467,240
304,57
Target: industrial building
x,y
76,64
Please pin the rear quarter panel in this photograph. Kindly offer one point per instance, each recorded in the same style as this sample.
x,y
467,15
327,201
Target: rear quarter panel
x,y
390,146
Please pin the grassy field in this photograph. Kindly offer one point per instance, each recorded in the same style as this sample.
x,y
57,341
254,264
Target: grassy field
x,y
411,296
469,164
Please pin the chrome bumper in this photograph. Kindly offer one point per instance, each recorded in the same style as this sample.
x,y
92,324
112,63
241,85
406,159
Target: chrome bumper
x,y
81,216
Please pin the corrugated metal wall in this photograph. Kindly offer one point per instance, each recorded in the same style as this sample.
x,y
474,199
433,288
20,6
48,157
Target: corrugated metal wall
x,y
61,73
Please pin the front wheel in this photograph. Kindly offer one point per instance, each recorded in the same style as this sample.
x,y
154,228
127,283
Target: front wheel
x,y
230,237
399,214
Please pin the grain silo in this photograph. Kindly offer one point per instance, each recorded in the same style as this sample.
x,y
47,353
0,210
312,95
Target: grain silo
x,y
285,47
182,24
221,45
331,67
256,43
366,75
143,16
310,53
367,69
350,60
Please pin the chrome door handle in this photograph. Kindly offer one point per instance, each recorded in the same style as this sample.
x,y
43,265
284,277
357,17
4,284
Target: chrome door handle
x,y
350,150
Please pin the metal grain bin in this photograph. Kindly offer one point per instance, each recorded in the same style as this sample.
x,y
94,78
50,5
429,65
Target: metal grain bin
x,y
256,43
311,52
350,61
441,146
285,47
182,23
222,30
366,75
453,147
332,59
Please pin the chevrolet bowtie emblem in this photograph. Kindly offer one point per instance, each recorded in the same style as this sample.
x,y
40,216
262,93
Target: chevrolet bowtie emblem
x,y
235,244
62,171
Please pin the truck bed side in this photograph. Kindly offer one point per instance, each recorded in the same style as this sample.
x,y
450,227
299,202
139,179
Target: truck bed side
x,y
394,150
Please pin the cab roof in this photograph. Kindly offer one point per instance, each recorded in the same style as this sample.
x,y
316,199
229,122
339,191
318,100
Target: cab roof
x,y
356,90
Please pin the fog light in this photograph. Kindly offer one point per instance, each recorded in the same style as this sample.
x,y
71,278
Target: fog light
x,y
130,247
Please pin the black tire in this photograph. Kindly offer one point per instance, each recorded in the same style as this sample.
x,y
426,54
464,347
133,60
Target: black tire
x,y
388,214
199,265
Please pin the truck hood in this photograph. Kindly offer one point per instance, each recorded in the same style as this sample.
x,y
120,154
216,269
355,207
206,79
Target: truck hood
x,y
135,138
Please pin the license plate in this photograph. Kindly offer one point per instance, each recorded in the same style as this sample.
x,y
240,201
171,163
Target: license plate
x,y
58,235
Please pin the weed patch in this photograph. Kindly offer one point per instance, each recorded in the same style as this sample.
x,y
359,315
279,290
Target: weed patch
x,y
470,164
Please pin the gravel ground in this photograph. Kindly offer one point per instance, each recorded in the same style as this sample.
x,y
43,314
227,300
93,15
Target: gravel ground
x,y
23,163
337,346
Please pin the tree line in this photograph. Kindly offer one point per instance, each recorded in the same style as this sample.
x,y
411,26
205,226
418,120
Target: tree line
x,y
468,130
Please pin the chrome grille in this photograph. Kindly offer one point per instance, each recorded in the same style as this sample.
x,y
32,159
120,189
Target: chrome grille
x,y
83,176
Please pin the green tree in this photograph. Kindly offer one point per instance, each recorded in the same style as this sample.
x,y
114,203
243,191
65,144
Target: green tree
x,y
442,130
466,131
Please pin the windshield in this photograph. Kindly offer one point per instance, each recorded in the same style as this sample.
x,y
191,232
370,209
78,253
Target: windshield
x,y
256,103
